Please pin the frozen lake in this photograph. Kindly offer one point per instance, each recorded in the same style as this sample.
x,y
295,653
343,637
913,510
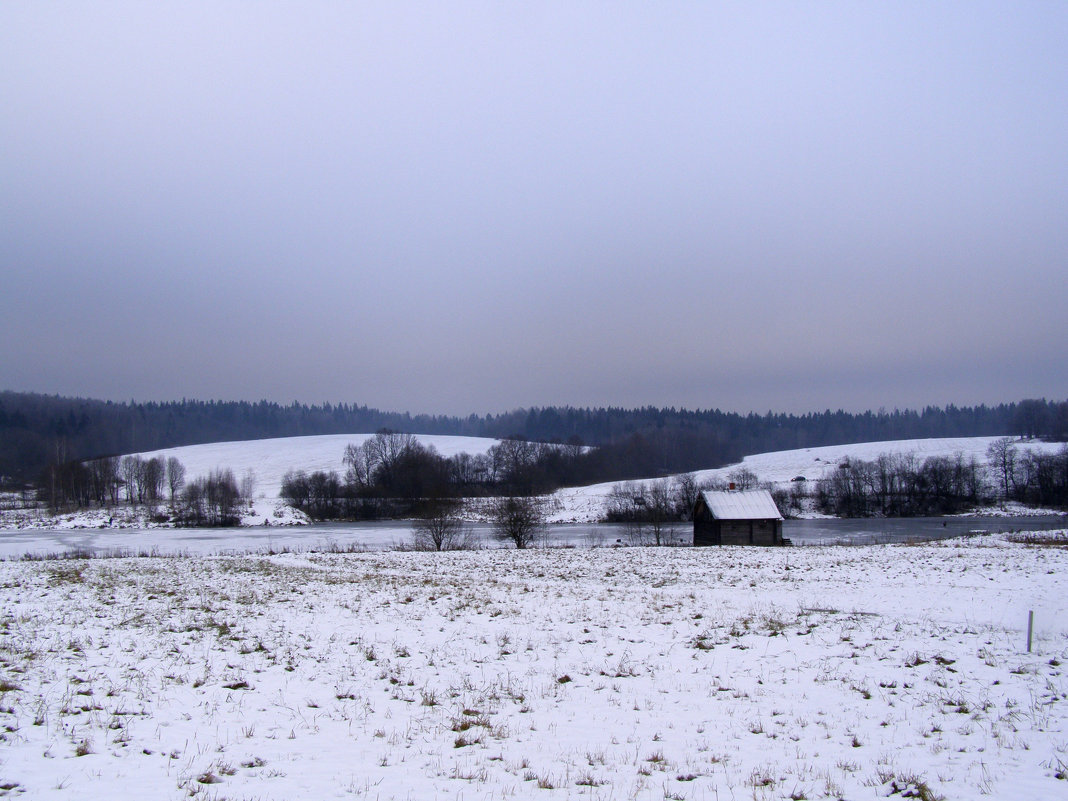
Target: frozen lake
x,y
865,531
389,534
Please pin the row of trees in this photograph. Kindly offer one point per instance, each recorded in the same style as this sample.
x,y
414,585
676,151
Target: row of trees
x,y
390,473
104,482
516,520
211,500
653,510
890,485
903,485
1033,477
393,474
392,464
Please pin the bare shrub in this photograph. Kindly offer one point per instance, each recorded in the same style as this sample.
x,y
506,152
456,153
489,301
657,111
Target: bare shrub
x,y
518,520
439,527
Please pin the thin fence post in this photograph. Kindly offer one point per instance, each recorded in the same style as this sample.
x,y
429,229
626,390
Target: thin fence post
x,y
1030,628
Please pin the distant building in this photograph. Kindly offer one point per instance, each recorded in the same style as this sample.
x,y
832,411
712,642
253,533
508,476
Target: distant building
x,y
736,518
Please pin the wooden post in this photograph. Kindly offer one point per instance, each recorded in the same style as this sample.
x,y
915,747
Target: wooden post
x,y
1030,628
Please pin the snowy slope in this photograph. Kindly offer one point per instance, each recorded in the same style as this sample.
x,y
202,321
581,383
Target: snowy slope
x,y
814,463
586,504
270,459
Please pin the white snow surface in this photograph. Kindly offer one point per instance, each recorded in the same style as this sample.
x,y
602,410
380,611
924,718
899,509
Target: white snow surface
x,y
636,673
587,504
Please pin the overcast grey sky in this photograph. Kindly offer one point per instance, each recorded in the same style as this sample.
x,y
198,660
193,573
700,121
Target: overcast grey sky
x,y
469,207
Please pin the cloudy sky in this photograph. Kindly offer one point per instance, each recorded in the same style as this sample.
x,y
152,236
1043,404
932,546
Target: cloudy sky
x,y
470,207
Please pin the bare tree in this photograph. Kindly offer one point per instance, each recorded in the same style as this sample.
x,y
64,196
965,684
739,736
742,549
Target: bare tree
x,y
391,444
440,527
374,461
798,494
1002,456
360,472
221,497
211,500
385,449
153,478
295,490
513,462
518,520
248,484
130,470
781,499
743,478
467,471
192,507
324,493
651,510
686,492
175,476
105,476
626,503
622,501
660,511
1048,478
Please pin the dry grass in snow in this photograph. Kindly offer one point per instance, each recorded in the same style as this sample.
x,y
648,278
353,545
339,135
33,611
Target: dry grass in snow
x,y
607,674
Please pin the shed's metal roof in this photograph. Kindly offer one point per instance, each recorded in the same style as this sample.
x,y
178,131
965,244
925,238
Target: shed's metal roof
x,y
742,505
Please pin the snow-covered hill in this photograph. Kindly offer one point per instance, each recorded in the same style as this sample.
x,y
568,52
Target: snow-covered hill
x,y
586,504
270,459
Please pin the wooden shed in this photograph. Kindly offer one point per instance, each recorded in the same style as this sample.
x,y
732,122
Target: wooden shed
x,y
736,518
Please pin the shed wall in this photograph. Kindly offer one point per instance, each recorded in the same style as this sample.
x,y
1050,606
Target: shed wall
x,y
709,531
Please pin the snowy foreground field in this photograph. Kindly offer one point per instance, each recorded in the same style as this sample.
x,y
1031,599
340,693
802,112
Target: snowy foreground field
x,y
729,673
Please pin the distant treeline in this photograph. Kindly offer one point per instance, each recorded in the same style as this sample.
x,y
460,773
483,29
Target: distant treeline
x,y
40,430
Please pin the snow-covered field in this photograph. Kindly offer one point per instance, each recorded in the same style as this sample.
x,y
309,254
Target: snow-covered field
x,y
639,673
586,504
